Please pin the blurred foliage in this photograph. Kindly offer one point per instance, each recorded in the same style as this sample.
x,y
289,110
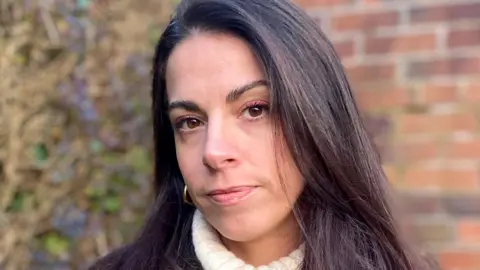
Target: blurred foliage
x,y
75,131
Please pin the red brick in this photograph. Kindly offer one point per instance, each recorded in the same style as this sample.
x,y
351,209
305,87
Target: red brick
x,y
345,48
417,151
372,2
424,123
468,231
445,12
320,3
364,21
449,66
472,93
441,179
387,98
366,73
464,150
462,38
417,179
400,44
433,93
460,180
461,260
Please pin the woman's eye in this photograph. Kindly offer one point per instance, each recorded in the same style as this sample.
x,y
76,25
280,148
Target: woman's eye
x,y
255,111
188,124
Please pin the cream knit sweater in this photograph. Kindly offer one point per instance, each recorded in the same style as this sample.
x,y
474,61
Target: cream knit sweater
x,y
213,255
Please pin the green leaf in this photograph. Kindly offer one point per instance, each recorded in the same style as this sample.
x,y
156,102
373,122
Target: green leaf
x,y
83,4
95,192
118,180
40,152
56,244
96,146
111,204
17,203
22,201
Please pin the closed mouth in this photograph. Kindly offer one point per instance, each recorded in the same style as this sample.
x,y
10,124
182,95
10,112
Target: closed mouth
x,y
232,195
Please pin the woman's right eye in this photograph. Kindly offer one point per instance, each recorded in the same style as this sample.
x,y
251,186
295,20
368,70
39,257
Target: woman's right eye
x,y
188,124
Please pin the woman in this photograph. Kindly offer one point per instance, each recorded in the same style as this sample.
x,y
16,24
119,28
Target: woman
x,y
261,156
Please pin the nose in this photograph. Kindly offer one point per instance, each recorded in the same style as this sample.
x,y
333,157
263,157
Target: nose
x,y
220,148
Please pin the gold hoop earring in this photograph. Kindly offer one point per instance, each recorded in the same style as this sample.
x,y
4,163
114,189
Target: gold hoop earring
x,y
186,197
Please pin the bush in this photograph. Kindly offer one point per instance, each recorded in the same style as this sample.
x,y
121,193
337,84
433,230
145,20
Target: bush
x,y
75,127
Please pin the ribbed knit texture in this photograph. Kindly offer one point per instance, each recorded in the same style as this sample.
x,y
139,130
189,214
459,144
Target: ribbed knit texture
x,y
213,255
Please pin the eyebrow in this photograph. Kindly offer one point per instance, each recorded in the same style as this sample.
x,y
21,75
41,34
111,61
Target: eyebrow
x,y
186,105
233,96
236,93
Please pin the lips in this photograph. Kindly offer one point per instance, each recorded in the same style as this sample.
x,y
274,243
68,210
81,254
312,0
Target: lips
x,y
232,195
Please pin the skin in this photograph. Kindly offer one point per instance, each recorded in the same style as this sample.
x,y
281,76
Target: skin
x,y
225,139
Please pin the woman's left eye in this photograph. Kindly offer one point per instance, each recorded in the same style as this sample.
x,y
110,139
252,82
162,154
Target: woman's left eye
x,y
255,111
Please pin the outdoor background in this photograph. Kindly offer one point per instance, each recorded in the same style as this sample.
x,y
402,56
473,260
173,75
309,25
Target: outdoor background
x,y
75,130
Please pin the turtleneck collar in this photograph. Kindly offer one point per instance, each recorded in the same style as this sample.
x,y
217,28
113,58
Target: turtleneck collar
x,y
213,255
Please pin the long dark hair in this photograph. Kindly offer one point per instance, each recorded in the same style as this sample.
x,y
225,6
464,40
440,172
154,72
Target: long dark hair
x,y
344,212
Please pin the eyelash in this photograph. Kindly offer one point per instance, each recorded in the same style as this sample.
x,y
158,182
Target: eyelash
x,y
261,104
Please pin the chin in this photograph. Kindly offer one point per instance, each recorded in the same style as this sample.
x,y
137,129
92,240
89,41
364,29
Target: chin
x,y
243,228
239,233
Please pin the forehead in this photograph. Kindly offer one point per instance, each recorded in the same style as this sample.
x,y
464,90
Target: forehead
x,y
206,63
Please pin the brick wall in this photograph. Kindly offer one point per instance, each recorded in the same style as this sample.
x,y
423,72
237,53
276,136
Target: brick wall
x,y
415,69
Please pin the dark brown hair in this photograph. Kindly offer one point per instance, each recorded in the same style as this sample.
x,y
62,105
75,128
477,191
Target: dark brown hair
x,y
344,211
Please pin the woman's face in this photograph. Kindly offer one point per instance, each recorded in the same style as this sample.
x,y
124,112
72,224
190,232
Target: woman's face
x,y
219,108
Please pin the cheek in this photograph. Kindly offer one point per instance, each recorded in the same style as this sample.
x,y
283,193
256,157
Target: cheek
x,y
189,163
289,178
294,185
289,183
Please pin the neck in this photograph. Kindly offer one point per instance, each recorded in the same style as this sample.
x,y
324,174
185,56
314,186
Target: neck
x,y
279,243
267,253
